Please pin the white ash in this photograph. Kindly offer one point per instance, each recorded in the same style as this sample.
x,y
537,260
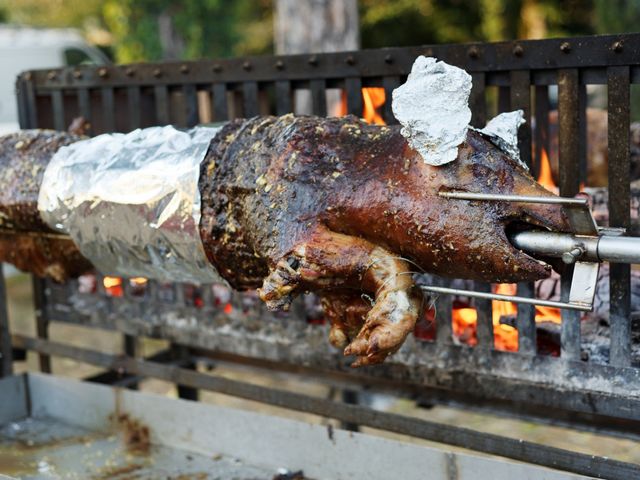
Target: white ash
x,y
433,108
503,132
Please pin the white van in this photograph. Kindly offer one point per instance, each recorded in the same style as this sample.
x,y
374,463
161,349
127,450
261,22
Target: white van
x,y
26,48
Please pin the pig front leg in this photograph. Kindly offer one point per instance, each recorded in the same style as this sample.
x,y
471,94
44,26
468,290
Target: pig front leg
x,y
329,261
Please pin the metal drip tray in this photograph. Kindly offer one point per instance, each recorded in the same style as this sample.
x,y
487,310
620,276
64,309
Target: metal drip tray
x,y
58,428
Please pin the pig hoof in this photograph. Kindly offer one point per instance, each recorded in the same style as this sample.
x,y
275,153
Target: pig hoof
x,y
392,318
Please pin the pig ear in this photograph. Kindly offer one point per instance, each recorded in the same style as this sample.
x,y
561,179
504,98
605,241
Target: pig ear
x,y
502,130
433,108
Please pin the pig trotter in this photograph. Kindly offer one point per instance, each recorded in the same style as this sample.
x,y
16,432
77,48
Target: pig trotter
x,y
343,266
393,316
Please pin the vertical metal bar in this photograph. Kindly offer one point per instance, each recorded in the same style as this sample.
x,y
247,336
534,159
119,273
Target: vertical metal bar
x,y
353,86
503,99
133,104
32,107
318,97
219,97
84,105
484,308
582,132
350,397
477,101
389,83
161,94
484,311
183,355
57,105
42,320
21,102
526,320
250,98
108,109
283,97
569,184
542,127
619,210
520,98
130,348
191,104
6,358
443,305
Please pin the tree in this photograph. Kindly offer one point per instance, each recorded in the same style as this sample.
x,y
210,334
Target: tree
x,y
316,26
166,29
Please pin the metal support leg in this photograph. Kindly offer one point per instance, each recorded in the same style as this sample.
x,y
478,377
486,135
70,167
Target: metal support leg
x,y
6,360
130,347
182,353
350,397
42,321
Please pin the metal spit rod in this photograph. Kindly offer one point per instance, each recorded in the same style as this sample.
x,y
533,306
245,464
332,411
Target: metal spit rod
x,y
504,298
604,248
586,247
513,198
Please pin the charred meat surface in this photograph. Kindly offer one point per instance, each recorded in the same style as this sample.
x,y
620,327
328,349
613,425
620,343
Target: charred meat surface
x,y
23,158
291,204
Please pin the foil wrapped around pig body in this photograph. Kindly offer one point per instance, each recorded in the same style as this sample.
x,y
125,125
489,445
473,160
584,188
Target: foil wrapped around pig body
x,y
131,202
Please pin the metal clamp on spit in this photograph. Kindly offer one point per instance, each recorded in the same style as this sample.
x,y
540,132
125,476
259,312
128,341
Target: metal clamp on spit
x,y
585,247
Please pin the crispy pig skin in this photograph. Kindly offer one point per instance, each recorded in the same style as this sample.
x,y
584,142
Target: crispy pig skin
x,y
23,158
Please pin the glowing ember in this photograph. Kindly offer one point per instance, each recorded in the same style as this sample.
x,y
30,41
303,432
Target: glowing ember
x,y
113,286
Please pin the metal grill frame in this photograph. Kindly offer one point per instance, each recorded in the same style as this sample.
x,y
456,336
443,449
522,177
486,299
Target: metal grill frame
x,y
563,390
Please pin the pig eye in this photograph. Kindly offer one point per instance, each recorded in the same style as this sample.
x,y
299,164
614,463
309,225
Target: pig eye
x,y
293,262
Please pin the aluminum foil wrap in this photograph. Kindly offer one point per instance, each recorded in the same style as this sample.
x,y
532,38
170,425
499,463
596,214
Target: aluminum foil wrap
x,y
131,203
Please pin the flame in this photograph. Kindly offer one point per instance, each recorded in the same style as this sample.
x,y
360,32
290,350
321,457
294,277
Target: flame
x,y
505,336
545,178
372,98
138,281
548,314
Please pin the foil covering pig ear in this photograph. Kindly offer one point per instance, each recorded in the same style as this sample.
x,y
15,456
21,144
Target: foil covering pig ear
x,y
433,108
502,130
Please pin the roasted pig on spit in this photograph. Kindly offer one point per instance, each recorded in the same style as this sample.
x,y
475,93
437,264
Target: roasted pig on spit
x,y
336,206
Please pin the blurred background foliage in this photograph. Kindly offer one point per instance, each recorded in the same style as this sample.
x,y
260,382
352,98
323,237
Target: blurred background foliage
x,y
138,30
